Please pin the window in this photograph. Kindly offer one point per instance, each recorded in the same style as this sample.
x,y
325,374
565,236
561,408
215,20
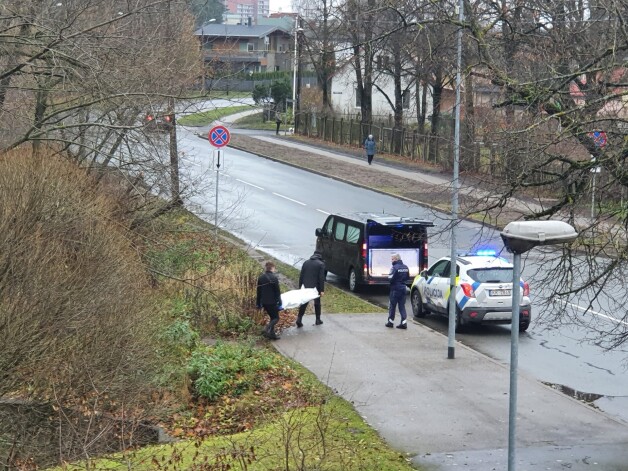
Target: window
x,y
328,225
353,234
440,269
250,47
339,234
405,99
491,275
358,98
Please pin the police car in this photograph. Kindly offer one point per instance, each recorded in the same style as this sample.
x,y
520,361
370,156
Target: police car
x,y
483,291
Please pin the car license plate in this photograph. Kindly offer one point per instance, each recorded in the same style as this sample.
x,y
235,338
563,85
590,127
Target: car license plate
x,y
500,292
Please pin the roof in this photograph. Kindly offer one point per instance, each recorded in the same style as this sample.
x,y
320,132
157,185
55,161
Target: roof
x,y
386,219
484,261
237,31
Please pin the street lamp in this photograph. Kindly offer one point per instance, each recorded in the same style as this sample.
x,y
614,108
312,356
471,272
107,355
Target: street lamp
x,y
203,85
295,67
519,237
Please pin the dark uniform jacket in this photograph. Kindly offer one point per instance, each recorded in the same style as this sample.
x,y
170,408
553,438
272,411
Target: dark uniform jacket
x,y
399,275
313,273
268,289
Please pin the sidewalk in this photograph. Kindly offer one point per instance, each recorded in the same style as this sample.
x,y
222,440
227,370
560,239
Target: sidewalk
x,y
451,413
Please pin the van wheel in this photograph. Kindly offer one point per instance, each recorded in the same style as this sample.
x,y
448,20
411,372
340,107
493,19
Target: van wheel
x,y
353,281
417,304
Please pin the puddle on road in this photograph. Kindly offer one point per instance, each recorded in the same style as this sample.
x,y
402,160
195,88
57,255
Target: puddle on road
x,y
589,398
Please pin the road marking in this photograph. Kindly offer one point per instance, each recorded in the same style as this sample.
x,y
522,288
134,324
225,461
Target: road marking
x,y
250,184
289,199
321,211
595,313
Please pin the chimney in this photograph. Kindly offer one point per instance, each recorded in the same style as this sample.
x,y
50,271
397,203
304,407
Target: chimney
x,y
250,21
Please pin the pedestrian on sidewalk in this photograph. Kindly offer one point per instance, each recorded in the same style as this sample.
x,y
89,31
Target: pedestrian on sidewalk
x,y
398,276
312,276
370,148
278,120
269,297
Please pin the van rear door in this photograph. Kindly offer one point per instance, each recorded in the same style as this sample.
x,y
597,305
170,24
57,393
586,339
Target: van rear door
x,y
407,240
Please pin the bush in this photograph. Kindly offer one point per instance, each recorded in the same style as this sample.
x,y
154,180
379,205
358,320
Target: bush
x,y
229,369
77,328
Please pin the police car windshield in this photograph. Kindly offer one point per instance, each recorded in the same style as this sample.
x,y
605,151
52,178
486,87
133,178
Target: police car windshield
x,y
491,275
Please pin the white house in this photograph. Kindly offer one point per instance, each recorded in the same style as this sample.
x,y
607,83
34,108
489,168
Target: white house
x,y
345,99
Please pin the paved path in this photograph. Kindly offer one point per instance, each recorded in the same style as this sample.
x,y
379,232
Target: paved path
x,y
451,414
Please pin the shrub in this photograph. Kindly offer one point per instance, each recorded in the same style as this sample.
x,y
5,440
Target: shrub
x,y
230,369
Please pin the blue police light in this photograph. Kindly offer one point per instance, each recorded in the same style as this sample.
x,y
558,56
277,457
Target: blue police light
x,y
486,252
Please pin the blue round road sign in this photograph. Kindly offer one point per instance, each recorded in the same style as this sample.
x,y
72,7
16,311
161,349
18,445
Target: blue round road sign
x,y
599,138
219,136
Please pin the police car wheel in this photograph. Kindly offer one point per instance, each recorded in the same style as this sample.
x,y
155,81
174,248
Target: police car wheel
x,y
353,281
417,304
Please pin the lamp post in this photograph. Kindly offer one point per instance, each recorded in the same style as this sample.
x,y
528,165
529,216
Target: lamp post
x,y
203,89
451,331
519,237
295,65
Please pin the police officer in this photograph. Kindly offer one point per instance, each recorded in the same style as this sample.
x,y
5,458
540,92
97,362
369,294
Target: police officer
x,y
398,276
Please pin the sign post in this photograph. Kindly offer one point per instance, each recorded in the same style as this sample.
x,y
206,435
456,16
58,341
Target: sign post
x,y
599,139
218,137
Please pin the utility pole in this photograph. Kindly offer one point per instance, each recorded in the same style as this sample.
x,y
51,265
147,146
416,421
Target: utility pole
x,y
175,190
451,335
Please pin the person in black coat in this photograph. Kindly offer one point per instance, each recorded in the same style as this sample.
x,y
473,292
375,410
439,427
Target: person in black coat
x,y
312,276
269,297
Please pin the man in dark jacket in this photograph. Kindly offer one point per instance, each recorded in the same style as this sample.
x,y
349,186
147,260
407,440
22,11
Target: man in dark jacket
x,y
312,276
269,297
398,276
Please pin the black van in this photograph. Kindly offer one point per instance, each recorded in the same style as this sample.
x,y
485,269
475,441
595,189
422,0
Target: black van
x,y
358,246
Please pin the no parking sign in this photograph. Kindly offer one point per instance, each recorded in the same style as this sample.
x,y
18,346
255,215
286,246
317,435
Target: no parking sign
x,y
219,136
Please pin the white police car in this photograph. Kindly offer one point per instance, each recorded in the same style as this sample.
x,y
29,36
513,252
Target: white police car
x,y
483,291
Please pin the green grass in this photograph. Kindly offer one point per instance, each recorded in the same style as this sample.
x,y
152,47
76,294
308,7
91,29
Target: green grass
x,y
255,121
329,437
206,117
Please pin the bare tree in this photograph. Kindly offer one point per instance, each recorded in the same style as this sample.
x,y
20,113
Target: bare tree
x,y
85,73
562,72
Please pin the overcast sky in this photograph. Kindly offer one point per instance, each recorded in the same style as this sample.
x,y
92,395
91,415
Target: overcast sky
x,y
280,5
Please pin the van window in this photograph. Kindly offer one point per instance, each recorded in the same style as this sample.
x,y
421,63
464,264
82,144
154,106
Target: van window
x,y
328,225
353,234
341,227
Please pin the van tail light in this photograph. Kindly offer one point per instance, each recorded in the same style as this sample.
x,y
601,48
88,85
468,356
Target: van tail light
x,y
424,264
467,289
365,268
526,288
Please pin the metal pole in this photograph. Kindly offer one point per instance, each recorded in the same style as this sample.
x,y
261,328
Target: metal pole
x,y
451,334
294,70
593,194
514,359
216,212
